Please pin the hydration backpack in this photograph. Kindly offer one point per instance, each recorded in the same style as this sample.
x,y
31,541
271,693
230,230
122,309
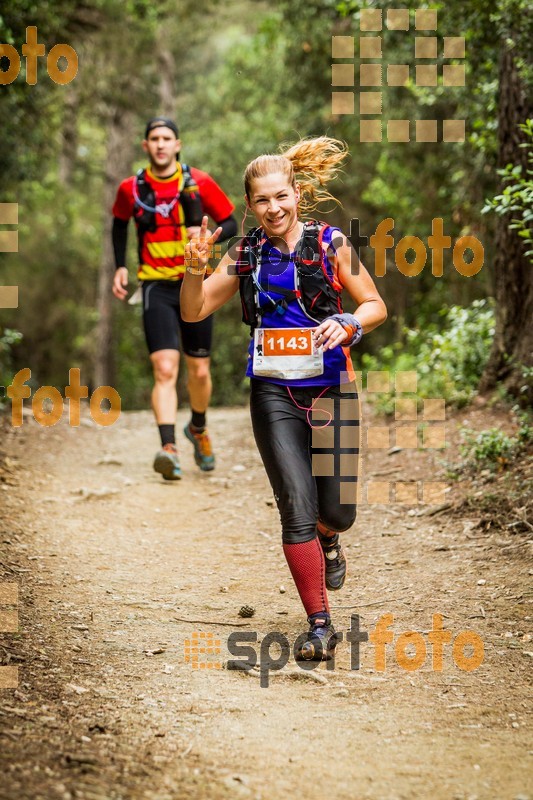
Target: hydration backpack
x,y
316,287
146,204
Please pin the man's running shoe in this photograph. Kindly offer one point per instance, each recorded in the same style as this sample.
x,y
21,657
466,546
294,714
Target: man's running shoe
x,y
321,640
203,452
335,562
167,463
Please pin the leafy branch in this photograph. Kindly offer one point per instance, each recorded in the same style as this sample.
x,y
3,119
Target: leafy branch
x,y
517,198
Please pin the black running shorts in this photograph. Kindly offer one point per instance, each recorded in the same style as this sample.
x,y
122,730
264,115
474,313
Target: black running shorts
x,y
163,326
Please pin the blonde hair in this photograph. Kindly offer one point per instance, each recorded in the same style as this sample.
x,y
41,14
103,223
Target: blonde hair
x,y
311,162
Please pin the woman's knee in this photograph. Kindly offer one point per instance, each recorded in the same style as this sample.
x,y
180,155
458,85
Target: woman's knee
x,y
298,518
339,519
297,535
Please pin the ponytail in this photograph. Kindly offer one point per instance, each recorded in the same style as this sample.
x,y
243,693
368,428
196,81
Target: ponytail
x,y
311,162
316,162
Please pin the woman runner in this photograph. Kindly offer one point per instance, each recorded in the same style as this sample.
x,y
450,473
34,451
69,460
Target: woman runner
x,y
303,394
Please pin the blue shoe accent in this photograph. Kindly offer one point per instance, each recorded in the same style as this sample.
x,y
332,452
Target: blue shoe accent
x,y
321,640
167,463
203,454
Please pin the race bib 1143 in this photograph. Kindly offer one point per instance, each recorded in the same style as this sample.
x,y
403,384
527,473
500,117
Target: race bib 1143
x,y
286,353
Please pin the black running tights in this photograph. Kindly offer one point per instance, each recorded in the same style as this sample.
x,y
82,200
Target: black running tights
x,y
311,458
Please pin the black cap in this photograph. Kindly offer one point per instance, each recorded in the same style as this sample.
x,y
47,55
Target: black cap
x,y
160,122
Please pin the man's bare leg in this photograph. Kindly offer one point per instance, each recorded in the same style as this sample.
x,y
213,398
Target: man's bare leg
x,y
165,364
200,387
199,382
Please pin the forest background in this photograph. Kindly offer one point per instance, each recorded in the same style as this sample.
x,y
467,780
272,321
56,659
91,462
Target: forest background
x,y
241,77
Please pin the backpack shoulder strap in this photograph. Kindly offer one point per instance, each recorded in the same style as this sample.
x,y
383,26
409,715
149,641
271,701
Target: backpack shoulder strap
x,y
253,232
331,270
309,250
142,191
247,252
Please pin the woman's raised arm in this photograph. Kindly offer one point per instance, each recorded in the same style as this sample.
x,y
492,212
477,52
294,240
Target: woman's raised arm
x,y
199,298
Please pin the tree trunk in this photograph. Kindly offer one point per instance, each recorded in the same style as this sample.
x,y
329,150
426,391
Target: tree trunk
x,y
167,82
69,135
512,348
117,167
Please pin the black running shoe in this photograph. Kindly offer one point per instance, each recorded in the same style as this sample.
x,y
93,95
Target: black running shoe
x,y
321,640
335,562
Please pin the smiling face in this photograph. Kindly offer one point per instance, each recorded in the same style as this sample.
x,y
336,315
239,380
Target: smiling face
x,y
162,147
274,202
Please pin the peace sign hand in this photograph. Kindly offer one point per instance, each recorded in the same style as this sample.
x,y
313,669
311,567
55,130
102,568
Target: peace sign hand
x,y
199,250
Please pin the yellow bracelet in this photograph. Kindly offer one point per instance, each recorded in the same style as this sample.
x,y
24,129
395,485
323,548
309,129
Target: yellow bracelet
x,y
196,271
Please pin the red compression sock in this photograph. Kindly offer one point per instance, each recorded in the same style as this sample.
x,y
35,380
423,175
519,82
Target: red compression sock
x,y
306,563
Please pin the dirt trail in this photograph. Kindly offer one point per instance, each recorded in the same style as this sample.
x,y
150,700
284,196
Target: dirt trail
x,y
107,556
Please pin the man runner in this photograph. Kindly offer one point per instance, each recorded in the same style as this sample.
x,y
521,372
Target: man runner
x,y
167,200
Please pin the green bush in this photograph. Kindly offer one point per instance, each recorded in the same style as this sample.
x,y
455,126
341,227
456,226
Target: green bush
x,y
449,358
8,339
493,449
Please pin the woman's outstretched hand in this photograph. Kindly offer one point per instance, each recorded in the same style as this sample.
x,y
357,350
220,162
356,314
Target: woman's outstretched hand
x,y
199,250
